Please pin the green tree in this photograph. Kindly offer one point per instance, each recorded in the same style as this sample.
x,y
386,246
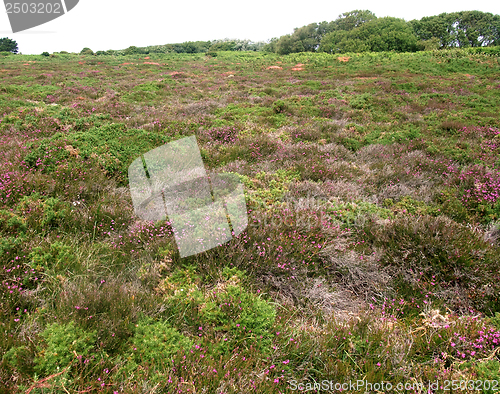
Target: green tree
x,y
86,51
476,28
380,34
190,47
132,50
306,38
388,34
271,45
8,45
439,26
462,29
223,45
351,20
334,42
429,45
284,46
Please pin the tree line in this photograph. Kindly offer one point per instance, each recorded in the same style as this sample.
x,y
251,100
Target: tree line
x,y
354,31
210,47
362,31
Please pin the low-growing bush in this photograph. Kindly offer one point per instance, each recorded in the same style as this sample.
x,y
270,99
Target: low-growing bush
x,y
156,342
63,344
279,107
43,214
11,224
242,319
183,294
488,373
52,257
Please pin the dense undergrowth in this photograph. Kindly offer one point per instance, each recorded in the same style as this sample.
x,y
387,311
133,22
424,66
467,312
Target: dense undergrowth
x,y
372,252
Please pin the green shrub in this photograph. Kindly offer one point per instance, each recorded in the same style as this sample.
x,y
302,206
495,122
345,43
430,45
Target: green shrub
x,y
57,256
43,213
45,54
61,342
452,207
409,205
131,50
11,224
489,371
156,342
12,244
495,321
348,213
279,107
241,317
361,101
19,357
183,295
112,146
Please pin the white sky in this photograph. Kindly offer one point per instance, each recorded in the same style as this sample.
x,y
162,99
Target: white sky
x,y
112,24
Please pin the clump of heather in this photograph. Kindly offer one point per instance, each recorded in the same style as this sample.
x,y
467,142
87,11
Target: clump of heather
x,y
481,191
476,341
222,135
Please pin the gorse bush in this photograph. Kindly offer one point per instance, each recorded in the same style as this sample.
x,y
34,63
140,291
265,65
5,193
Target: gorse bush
x,y
183,293
64,344
12,224
55,257
495,321
43,213
156,342
279,106
488,372
20,358
242,319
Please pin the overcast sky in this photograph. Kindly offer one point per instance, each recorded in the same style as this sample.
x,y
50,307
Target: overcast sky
x,y
112,24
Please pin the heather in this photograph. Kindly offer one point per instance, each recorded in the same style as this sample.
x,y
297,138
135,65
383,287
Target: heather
x,y
372,184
